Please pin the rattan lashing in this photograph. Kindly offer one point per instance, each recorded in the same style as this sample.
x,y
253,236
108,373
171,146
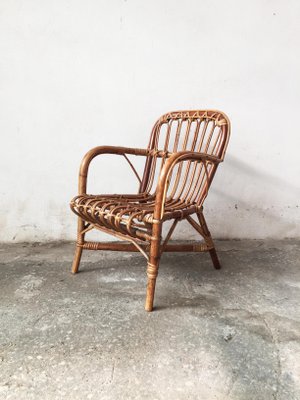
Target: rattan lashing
x,y
181,159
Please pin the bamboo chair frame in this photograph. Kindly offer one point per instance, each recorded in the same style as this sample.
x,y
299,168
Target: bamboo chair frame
x,y
175,183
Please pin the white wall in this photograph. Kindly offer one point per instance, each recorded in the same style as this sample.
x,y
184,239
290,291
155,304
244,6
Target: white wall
x,y
76,74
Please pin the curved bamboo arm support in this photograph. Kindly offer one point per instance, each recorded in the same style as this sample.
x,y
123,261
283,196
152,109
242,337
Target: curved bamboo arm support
x,y
163,182
84,167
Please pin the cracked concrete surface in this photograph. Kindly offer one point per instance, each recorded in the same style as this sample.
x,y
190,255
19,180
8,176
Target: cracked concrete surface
x,y
228,334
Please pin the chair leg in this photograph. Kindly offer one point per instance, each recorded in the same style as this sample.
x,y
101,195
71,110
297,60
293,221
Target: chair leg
x,y
153,264
215,259
209,241
78,251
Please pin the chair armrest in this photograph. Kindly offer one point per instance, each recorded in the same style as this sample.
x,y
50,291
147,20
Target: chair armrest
x,y
163,182
84,166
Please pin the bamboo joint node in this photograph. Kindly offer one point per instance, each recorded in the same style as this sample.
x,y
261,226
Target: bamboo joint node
x,y
152,271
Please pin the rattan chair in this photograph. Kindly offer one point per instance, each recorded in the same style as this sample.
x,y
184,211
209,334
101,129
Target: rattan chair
x,y
181,159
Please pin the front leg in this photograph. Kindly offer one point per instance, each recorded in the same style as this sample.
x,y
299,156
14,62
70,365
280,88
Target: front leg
x,y
153,264
80,241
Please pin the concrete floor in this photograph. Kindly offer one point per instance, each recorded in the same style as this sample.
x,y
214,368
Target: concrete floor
x,y
228,334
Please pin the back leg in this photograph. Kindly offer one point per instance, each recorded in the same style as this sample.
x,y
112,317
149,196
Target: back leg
x,y
215,259
208,240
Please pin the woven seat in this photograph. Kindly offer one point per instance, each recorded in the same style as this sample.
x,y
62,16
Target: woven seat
x,y
127,215
181,159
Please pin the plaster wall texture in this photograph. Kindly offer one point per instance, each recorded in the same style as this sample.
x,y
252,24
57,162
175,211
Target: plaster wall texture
x,y
80,74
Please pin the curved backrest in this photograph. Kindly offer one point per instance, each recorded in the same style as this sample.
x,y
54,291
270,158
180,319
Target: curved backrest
x,y
202,131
